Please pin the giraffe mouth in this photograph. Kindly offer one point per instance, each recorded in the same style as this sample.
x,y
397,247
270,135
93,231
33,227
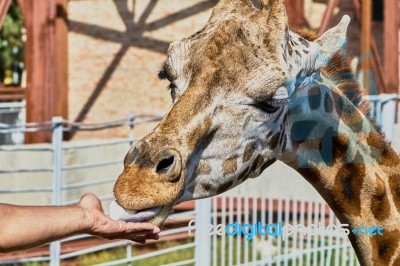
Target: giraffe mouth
x,y
155,215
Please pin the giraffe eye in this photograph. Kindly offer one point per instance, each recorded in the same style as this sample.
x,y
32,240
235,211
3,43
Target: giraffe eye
x,y
269,106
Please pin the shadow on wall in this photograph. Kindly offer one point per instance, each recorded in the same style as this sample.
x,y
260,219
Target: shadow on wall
x,y
132,37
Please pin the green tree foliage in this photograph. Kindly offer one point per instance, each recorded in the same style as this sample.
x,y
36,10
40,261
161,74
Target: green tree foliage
x,y
11,44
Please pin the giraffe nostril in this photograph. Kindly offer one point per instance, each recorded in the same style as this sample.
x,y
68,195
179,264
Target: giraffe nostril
x,y
168,165
165,165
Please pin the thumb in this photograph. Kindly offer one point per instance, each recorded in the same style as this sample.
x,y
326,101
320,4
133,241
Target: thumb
x,y
90,201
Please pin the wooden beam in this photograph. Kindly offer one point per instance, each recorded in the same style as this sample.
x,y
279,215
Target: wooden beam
x,y
4,6
328,16
366,21
12,93
46,63
376,60
62,58
295,11
391,45
377,65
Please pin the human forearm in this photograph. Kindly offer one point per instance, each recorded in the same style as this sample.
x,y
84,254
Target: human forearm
x,y
25,227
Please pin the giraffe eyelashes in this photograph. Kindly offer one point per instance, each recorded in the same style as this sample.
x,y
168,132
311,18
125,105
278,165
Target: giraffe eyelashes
x,y
166,72
162,75
269,106
172,87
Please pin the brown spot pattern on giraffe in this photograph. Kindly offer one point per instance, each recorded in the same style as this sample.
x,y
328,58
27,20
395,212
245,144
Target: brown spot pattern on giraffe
x,y
199,132
384,247
225,187
243,175
396,262
380,207
248,152
275,140
394,184
347,187
207,186
257,164
388,156
229,166
204,168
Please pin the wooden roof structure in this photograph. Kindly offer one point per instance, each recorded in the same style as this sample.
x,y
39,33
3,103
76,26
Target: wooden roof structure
x,y
46,51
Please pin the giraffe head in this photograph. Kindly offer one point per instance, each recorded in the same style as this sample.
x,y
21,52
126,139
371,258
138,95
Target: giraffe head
x,y
230,84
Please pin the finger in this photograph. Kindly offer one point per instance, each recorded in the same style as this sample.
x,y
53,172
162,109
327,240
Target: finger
x,y
153,236
90,201
136,227
141,240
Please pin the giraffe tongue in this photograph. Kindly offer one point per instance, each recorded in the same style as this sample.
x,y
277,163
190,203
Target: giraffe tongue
x,y
119,213
142,216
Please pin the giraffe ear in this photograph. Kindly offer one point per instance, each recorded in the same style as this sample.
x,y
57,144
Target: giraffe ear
x,y
331,42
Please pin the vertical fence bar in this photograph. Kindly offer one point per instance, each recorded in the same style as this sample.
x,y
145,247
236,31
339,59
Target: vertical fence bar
x,y
271,255
57,138
129,253
202,236
264,242
295,243
309,237
280,184
301,236
323,237
330,239
238,237
131,135
223,219
246,221
214,236
315,236
230,239
388,115
254,221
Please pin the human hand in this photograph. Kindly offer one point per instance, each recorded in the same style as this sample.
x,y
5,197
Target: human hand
x,y
99,224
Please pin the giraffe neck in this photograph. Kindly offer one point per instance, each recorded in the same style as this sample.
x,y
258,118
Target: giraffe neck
x,y
337,149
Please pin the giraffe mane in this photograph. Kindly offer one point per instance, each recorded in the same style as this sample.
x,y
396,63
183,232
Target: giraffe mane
x,y
339,71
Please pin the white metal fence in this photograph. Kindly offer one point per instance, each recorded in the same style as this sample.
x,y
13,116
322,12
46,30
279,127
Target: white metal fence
x,y
63,188
12,113
279,195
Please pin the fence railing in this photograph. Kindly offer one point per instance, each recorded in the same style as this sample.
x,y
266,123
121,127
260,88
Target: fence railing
x,y
59,162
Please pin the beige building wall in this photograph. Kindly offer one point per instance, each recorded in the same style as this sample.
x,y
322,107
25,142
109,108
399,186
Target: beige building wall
x,y
116,51
117,47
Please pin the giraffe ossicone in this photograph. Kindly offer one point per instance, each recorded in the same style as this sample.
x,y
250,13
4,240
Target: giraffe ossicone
x,y
247,92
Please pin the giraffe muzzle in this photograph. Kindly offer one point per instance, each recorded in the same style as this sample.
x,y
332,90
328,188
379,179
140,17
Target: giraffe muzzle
x,y
166,163
152,178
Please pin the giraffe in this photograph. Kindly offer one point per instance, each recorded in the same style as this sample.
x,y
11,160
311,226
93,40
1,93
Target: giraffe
x,y
246,92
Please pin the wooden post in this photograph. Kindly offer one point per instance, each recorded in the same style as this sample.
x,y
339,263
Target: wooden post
x,y
376,60
328,16
46,63
366,20
4,6
391,45
295,11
